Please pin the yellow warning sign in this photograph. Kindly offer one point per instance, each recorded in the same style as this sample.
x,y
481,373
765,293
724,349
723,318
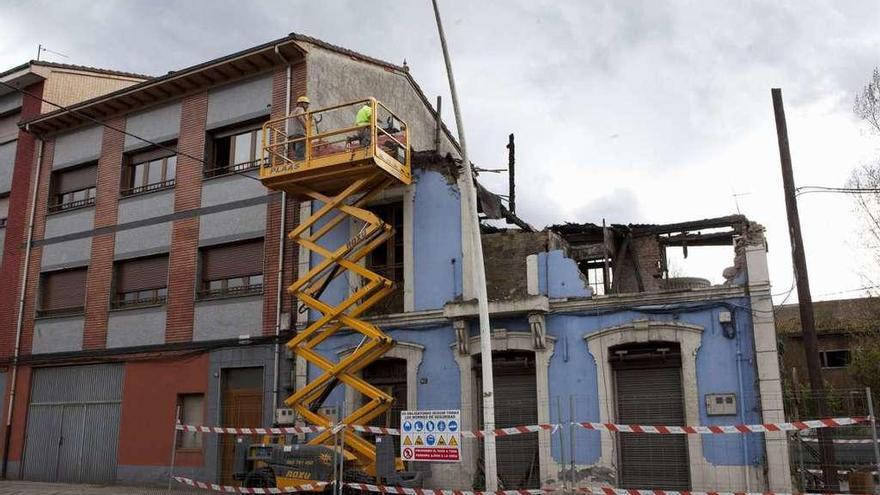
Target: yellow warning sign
x,y
453,442
407,440
440,440
419,440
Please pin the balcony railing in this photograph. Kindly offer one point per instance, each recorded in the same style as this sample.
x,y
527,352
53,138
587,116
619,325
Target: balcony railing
x,y
147,188
71,205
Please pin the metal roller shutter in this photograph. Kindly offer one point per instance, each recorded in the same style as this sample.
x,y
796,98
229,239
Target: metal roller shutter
x,y
516,403
649,391
73,424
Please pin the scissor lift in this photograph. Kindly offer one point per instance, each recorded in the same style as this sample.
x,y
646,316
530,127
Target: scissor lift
x,y
341,166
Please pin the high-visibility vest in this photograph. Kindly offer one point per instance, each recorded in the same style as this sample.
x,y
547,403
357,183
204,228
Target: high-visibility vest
x,y
364,115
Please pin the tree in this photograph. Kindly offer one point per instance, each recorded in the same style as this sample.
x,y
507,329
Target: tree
x,y
865,363
867,176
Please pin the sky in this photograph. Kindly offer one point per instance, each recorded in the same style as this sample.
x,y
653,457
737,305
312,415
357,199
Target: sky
x,y
631,111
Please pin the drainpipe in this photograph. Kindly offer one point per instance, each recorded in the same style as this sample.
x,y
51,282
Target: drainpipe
x,y
21,299
282,236
742,406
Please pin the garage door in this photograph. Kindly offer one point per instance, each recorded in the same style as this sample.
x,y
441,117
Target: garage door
x,y
516,403
73,424
649,391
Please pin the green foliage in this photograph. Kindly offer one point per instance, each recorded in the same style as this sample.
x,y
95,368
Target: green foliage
x,y
865,365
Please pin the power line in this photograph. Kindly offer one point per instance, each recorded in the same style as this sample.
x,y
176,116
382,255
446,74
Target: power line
x,y
836,190
124,132
859,289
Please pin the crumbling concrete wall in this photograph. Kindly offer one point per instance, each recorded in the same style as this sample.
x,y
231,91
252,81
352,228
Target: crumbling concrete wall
x,y
505,259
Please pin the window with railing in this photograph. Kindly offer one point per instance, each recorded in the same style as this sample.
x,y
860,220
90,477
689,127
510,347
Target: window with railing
x,y
232,270
74,188
62,292
235,151
149,171
141,282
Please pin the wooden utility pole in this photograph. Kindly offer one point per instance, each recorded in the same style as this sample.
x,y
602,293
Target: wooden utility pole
x,y
805,300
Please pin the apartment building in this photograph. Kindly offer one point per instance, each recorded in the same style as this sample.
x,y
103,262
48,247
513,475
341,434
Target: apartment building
x,y
155,290
39,83
153,283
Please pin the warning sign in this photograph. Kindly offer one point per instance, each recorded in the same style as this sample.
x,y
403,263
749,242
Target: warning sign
x,y
431,435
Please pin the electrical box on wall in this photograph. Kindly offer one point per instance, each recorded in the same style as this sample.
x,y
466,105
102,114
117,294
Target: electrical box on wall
x,y
721,404
284,416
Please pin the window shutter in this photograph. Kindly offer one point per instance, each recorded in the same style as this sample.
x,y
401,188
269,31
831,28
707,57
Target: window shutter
x,y
74,180
64,289
232,260
4,207
142,274
154,154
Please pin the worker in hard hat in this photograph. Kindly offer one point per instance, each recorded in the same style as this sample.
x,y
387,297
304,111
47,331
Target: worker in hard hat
x,y
363,120
298,127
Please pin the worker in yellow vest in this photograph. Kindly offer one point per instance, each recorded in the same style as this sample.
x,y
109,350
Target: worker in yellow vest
x,y
363,120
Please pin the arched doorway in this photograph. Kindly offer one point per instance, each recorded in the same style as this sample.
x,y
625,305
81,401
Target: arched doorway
x,y
648,391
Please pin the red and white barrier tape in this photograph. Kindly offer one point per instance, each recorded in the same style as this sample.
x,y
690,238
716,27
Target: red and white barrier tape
x,y
399,490
519,430
722,429
237,489
500,432
251,431
841,440
513,430
622,491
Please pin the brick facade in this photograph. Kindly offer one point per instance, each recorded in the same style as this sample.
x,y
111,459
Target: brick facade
x,y
184,256
16,226
99,281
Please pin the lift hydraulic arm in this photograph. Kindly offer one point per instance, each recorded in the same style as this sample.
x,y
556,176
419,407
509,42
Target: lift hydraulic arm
x,y
340,170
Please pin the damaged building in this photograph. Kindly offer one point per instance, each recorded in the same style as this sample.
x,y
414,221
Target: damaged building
x,y
587,324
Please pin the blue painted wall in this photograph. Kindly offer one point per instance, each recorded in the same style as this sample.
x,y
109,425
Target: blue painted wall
x,y
337,290
436,244
436,240
558,276
573,373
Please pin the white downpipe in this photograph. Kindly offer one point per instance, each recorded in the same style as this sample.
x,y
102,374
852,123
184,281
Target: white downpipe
x,y
478,270
279,290
21,300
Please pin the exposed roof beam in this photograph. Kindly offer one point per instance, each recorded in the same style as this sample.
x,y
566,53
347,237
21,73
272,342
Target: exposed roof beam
x,y
710,239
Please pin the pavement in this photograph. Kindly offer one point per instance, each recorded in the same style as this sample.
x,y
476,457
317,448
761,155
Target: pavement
x,y
31,487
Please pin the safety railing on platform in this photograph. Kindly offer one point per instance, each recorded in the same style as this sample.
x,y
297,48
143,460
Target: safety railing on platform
x,y
342,133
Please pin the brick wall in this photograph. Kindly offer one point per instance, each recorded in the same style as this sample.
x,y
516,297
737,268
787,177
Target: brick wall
x,y
505,259
273,211
649,253
99,280
183,260
16,227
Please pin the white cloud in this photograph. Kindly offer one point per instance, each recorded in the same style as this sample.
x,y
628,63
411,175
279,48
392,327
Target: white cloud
x,y
659,111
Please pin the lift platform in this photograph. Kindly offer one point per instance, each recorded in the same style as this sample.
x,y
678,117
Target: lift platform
x,y
325,156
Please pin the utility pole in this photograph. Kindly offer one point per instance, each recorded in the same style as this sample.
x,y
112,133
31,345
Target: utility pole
x,y
469,205
805,300
511,174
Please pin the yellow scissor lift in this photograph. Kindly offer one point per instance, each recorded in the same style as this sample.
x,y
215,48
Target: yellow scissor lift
x,y
340,165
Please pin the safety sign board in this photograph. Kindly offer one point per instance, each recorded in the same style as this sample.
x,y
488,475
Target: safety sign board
x,y
430,435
